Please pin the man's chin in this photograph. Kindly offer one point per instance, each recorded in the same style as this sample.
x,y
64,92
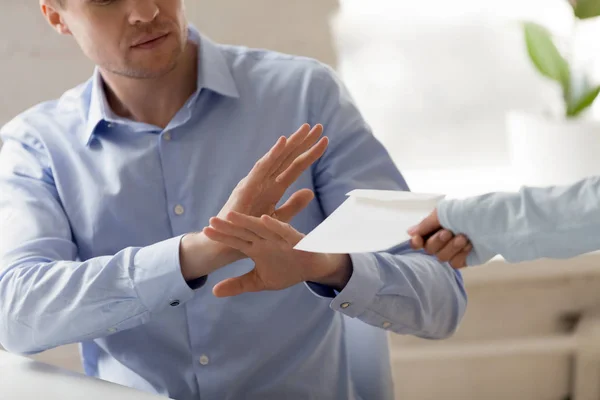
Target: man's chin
x,y
147,72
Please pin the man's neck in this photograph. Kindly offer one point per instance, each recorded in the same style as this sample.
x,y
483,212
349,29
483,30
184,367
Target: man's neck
x,y
153,101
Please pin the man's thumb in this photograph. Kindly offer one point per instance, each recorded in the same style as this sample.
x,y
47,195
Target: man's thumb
x,y
235,286
296,203
427,226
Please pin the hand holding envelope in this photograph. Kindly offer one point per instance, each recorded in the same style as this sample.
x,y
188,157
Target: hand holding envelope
x,y
431,236
378,220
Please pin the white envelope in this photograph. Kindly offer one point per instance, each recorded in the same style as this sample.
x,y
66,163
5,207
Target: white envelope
x,y
369,221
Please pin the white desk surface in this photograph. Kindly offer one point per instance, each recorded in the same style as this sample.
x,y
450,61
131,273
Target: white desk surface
x,y
24,379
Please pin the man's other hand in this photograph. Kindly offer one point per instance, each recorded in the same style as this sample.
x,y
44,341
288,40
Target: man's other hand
x,y
260,191
277,266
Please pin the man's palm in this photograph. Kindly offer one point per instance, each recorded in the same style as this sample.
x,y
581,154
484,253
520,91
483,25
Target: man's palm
x,y
260,191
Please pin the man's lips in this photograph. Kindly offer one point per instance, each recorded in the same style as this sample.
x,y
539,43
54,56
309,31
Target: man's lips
x,y
149,39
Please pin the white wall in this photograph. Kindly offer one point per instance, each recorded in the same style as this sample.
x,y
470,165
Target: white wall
x,y
436,79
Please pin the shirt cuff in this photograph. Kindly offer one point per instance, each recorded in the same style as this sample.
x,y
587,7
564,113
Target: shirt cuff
x,y
322,291
362,288
450,214
157,276
445,209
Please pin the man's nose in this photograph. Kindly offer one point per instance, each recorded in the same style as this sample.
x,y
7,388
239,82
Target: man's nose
x,y
143,11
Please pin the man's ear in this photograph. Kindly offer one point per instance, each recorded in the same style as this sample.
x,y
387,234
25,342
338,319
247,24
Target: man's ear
x,y
52,12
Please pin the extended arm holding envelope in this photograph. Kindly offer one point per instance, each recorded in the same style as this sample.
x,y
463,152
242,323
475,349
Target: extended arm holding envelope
x,y
552,222
407,292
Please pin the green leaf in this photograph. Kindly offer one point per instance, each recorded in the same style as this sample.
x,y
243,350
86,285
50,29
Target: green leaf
x,y
585,9
577,106
545,56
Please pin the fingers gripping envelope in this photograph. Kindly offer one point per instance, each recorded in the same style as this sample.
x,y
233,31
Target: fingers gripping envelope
x,y
369,221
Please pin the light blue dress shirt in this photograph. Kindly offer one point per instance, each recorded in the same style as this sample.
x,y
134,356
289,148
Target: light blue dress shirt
x,y
93,206
552,222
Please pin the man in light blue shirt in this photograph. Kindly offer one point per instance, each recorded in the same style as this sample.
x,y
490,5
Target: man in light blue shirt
x,y
105,192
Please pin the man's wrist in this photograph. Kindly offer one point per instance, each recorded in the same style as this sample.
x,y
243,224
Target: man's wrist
x,y
341,271
199,256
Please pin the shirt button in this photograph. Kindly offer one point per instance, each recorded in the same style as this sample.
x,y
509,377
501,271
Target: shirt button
x,y
386,324
175,303
167,136
179,210
204,360
345,305
109,125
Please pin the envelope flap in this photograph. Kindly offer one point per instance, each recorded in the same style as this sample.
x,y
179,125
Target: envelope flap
x,y
397,196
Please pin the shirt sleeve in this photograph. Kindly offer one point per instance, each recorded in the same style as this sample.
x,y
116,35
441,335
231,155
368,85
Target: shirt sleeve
x,y
48,297
552,222
403,291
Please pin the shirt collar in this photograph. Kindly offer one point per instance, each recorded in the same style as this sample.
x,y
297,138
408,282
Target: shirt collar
x,y
214,74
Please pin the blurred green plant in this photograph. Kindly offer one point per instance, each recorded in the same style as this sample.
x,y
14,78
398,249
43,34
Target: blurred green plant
x,y
578,93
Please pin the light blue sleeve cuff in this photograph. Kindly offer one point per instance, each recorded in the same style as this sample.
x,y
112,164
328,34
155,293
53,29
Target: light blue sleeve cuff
x,y
447,211
451,214
157,276
362,288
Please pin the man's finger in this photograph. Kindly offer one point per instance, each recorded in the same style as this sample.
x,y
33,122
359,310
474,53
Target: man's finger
x,y
293,142
460,260
262,168
426,227
287,232
256,226
246,283
417,242
227,240
453,248
438,241
313,137
230,229
296,203
302,163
